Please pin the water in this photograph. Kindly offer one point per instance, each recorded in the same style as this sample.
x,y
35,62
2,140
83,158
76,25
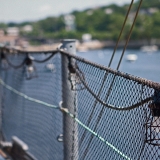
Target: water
x,y
146,66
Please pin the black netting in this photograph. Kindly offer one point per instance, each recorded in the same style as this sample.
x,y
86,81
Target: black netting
x,y
109,115
36,125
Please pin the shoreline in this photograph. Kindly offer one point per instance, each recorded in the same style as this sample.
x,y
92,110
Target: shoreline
x,y
111,45
90,45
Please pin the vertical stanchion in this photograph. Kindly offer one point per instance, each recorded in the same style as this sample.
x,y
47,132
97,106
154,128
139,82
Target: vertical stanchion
x,y
70,127
0,95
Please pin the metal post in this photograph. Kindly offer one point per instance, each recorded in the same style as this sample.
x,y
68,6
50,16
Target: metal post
x,y
70,127
1,92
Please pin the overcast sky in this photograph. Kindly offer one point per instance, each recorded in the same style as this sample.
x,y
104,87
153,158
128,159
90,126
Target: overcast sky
x,y
23,10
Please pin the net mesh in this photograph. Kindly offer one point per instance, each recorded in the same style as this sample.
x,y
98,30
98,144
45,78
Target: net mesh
x,y
36,125
108,114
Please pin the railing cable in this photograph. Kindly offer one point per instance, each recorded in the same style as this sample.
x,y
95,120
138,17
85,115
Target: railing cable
x,y
115,48
67,112
94,133
25,96
129,35
110,88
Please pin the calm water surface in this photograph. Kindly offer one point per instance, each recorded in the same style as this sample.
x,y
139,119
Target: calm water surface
x,y
146,66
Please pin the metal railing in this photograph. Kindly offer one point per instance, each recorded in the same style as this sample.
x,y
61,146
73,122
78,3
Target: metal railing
x,y
65,107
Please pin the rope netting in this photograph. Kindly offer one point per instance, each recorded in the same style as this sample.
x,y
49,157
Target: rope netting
x,y
115,115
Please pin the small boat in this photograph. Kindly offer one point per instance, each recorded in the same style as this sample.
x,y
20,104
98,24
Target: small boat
x,y
50,67
131,57
150,48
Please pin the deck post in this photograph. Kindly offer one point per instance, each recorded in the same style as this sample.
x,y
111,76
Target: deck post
x,y
70,127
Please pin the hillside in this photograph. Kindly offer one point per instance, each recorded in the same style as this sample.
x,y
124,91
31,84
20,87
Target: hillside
x,y
102,23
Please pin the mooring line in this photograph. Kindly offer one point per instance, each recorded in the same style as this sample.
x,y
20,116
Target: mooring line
x,y
94,133
66,111
25,96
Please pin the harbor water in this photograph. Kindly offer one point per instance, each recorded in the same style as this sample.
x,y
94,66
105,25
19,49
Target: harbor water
x,y
43,125
146,66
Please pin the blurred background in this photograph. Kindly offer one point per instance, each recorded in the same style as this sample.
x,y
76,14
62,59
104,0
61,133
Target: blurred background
x,y
40,25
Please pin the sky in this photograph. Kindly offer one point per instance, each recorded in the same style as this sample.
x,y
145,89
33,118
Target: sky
x,y
30,10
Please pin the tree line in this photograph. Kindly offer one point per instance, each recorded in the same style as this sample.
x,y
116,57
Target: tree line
x,y
103,23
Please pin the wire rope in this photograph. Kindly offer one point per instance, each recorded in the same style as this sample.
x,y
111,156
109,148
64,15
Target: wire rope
x,y
115,48
28,56
44,60
110,88
66,111
129,35
15,66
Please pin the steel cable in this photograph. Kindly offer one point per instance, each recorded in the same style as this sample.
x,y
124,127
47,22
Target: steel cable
x,y
125,75
120,108
27,56
44,60
15,66
129,35
110,88
124,23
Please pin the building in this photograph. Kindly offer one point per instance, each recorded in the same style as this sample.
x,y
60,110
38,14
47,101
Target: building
x,y
27,28
70,22
12,31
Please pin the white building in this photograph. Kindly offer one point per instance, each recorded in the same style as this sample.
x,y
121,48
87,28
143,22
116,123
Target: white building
x,y
86,37
27,28
12,31
108,11
69,22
